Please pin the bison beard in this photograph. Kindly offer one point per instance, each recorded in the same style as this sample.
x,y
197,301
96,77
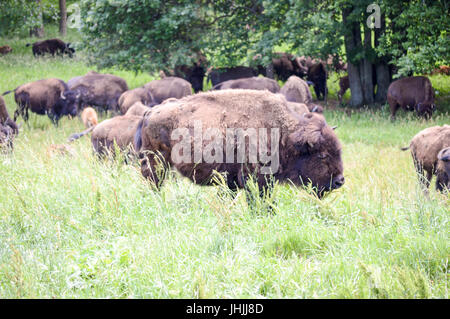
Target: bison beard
x,y
309,151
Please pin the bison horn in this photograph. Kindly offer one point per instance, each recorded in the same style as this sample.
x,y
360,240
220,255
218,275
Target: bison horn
x,y
62,95
334,127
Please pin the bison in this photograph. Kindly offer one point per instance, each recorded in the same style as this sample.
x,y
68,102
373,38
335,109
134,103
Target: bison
x,y
297,90
220,75
317,74
101,90
253,83
89,117
428,148
52,46
48,96
5,49
286,65
168,87
6,137
412,93
303,149
130,97
344,85
138,109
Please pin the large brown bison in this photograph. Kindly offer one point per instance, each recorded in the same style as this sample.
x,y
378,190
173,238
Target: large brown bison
x,y
189,135
427,150
286,65
5,49
130,97
168,87
52,46
101,90
412,93
253,83
48,96
220,75
5,120
344,85
297,90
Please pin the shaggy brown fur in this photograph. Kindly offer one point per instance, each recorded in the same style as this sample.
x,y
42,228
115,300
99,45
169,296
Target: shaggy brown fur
x,y
130,97
89,117
48,96
138,109
286,65
344,85
52,46
5,119
296,90
102,90
425,148
5,49
443,169
253,83
298,108
412,93
168,87
309,149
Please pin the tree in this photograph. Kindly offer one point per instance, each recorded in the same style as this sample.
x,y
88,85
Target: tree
x,y
63,17
38,29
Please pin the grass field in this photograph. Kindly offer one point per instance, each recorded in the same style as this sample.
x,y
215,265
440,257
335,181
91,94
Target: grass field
x,y
75,226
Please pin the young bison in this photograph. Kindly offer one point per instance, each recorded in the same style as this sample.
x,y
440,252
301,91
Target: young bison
x,y
303,149
429,150
412,93
89,117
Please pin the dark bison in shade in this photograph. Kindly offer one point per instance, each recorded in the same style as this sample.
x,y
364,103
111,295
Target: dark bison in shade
x,y
253,83
5,49
344,85
48,96
52,46
101,90
286,65
317,74
306,150
193,73
429,150
220,75
412,93
168,87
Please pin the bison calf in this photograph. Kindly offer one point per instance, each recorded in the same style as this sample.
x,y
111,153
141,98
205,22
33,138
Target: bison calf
x,y
89,117
5,49
412,93
429,150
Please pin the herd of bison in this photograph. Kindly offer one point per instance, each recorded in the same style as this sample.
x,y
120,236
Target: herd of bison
x,y
241,97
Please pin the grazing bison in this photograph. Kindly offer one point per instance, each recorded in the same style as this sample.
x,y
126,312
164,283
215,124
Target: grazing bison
x,y
224,74
303,149
101,90
412,93
5,49
130,97
344,85
52,46
286,65
427,149
74,81
138,109
168,87
253,83
5,120
89,117
48,96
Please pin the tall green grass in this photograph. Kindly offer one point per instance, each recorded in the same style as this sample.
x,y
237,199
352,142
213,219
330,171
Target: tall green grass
x,y
75,226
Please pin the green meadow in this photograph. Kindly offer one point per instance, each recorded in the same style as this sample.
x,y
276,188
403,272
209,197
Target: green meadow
x,y
75,226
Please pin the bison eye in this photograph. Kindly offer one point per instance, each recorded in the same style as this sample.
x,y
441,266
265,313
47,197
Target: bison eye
x,y
322,155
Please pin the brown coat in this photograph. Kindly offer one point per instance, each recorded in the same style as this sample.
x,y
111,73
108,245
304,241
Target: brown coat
x,y
308,147
4,117
5,49
412,93
130,97
425,147
89,117
253,83
296,90
168,87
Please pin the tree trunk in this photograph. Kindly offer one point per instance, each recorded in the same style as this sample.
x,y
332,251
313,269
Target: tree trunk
x,y
38,31
366,69
352,40
62,17
382,68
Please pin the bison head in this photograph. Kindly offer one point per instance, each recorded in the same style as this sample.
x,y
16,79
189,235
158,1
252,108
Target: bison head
x,y
425,109
314,156
69,103
444,156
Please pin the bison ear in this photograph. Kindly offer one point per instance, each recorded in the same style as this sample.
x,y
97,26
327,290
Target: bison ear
x,y
444,155
305,142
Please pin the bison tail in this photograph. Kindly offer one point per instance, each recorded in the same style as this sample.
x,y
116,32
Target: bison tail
x,y
76,136
138,136
405,148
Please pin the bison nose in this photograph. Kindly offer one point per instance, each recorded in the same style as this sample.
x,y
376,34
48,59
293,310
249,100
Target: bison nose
x,y
338,181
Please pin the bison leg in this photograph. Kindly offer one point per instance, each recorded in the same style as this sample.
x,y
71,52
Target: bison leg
x,y
442,182
154,167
